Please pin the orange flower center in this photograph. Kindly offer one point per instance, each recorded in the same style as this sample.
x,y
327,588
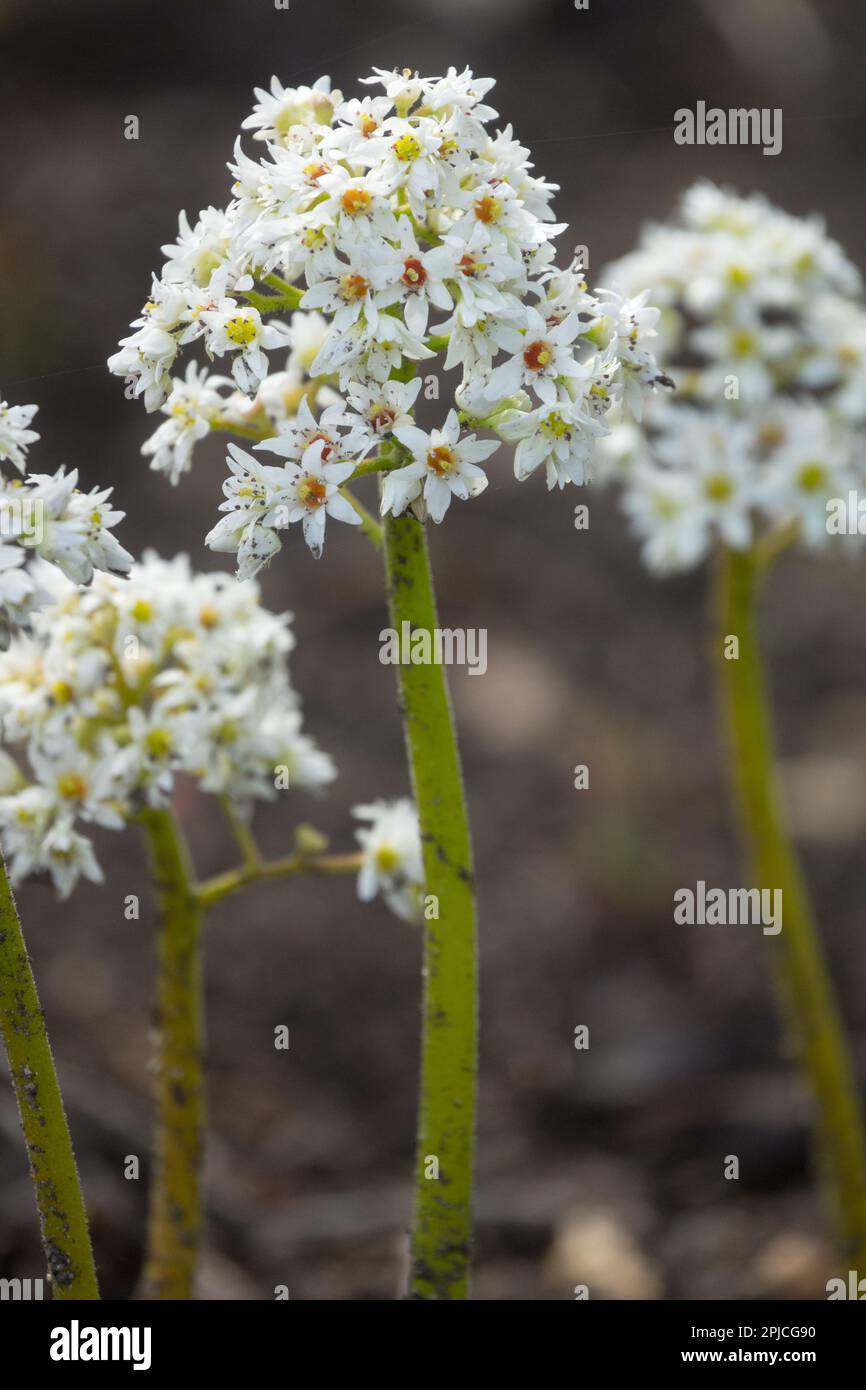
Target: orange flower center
x,y
538,355
441,460
356,200
488,209
414,273
383,418
353,287
311,492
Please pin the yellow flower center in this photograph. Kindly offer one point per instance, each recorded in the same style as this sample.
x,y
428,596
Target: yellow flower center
x,y
406,148
158,743
554,426
241,330
387,859
743,343
72,785
812,476
142,611
718,488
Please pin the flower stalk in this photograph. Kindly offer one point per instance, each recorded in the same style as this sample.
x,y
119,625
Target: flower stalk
x,y
175,1216
59,1200
809,1005
446,1118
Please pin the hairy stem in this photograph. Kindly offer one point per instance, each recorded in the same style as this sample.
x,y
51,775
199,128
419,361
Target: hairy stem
x,y
808,999
175,1217
446,1123
59,1201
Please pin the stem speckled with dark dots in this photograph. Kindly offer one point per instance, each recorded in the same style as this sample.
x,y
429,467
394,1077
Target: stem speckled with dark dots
x,y
62,1215
446,1124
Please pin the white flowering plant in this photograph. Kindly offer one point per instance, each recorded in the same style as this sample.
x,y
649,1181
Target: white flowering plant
x,y
377,244
398,232
50,531
117,689
46,517
763,327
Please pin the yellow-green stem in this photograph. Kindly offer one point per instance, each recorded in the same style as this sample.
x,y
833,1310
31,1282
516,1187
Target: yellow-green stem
x,y
62,1216
808,1000
446,1125
175,1214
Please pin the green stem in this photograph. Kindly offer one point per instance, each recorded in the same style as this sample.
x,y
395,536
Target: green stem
x,y
809,1004
446,1122
369,525
174,1220
213,890
62,1216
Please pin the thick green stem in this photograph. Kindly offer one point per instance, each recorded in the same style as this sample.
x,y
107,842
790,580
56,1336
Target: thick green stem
x,y
174,1219
446,1128
804,984
62,1216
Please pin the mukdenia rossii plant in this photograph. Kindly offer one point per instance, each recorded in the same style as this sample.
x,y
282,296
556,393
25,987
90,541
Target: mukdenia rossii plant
x,y
763,328
119,688
47,527
400,234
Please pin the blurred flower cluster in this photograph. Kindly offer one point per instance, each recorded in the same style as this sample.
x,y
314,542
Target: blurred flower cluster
x,y
763,329
123,685
46,516
371,215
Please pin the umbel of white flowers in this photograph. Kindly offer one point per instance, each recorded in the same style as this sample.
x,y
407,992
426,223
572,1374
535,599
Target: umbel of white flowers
x,y
763,328
123,685
374,215
45,516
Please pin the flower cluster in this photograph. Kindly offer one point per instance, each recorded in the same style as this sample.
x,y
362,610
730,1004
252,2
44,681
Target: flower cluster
x,y
48,517
372,217
390,841
125,684
763,328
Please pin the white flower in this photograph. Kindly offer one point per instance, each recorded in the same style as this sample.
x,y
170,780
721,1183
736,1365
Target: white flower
x,y
192,405
278,110
312,493
445,466
669,514
239,329
16,436
392,863
560,437
545,358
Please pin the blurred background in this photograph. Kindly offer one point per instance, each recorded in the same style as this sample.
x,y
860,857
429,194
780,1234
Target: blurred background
x,y
602,1166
